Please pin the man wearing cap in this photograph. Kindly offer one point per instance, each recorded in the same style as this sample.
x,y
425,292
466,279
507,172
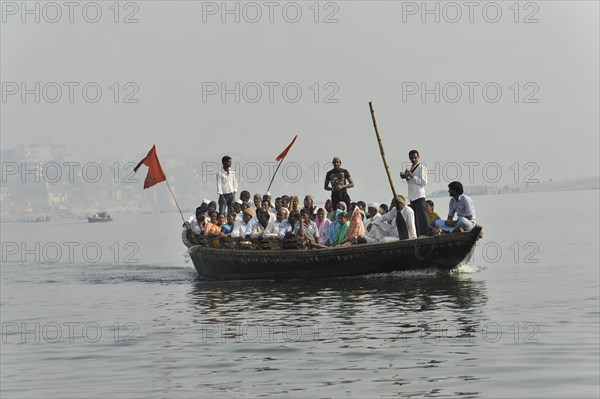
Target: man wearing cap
x,y
416,178
227,184
237,209
243,228
407,214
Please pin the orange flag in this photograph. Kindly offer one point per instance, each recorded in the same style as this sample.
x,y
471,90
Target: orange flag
x,y
284,153
155,173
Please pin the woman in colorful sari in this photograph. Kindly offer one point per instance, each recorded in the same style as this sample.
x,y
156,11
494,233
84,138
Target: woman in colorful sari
x,y
212,228
226,228
323,224
356,228
343,226
333,229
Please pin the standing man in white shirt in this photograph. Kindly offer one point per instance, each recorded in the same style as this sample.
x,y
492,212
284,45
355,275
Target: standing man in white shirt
x,y
416,177
227,185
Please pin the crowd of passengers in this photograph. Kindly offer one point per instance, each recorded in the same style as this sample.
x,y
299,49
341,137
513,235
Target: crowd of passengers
x,y
348,224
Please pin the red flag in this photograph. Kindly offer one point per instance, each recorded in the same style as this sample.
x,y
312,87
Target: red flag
x,y
284,153
155,173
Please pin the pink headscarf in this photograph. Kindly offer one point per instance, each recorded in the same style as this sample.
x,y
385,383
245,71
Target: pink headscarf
x,y
323,227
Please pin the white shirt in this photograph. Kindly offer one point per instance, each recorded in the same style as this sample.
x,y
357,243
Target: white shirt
x,y
284,227
417,183
196,228
379,228
272,229
240,229
409,217
226,182
257,231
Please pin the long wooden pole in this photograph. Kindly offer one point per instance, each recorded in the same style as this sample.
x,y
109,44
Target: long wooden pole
x,y
400,222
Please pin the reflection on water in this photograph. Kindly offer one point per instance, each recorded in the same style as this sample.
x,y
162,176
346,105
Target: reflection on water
x,y
322,335
393,303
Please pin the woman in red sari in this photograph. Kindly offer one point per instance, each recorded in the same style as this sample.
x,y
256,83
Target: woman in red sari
x,y
356,229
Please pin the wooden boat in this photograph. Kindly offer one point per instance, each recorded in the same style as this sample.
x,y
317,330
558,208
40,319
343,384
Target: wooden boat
x,y
100,217
443,252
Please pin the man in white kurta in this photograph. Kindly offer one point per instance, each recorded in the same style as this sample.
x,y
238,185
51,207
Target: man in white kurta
x,y
407,214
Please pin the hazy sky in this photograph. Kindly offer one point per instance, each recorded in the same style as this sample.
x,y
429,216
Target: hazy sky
x,y
518,85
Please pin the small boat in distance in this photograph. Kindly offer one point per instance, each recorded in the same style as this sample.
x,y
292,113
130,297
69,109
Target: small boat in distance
x,y
37,219
100,217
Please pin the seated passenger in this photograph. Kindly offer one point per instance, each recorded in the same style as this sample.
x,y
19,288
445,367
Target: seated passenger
x,y
238,207
294,203
433,216
309,204
285,201
376,228
407,214
259,227
245,197
243,228
383,209
363,208
257,201
356,227
462,206
196,223
227,227
329,209
212,227
272,228
342,228
287,226
270,211
333,228
307,228
323,224
212,206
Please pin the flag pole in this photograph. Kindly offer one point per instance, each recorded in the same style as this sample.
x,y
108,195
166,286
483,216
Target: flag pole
x,y
280,158
274,174
181,213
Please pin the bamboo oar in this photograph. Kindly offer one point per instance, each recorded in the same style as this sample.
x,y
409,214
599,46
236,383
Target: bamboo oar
x,y
400,222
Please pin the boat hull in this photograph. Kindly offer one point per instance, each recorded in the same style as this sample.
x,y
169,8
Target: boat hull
x,y
442,252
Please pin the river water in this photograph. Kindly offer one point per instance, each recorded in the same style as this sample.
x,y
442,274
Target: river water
x,y
114,310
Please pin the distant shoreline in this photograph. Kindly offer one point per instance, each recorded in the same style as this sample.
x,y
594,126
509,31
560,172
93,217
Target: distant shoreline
x,y
584,183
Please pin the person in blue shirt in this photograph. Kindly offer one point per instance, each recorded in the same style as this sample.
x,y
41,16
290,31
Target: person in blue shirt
x,y
462,206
